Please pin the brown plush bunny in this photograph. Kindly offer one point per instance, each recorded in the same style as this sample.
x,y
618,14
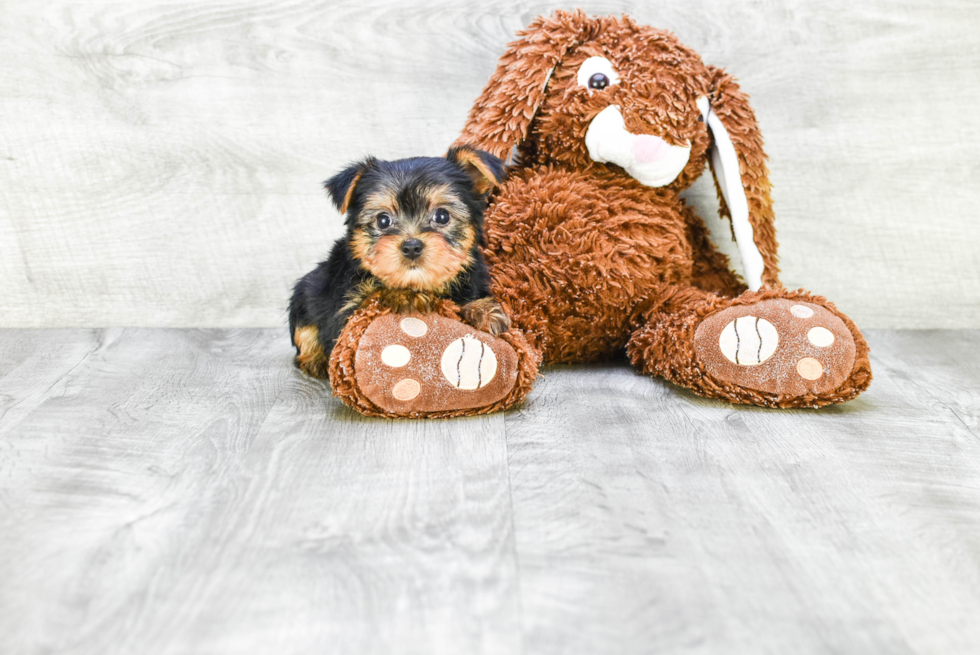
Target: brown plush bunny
x,y
591,248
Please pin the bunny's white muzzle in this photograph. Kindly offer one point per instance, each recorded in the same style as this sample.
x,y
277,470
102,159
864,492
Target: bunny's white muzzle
x,y
647,158
653,162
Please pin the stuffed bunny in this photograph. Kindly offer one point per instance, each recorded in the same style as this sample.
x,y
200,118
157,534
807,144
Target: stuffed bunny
x,y
590,247
592,250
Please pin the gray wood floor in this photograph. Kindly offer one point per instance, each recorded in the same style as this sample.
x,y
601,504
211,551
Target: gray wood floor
x,y
187,491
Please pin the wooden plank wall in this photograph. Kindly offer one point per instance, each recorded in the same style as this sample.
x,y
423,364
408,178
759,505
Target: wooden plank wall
x,y
160,161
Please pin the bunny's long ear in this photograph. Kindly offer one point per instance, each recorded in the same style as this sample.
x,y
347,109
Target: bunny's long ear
x,y
741,177
502,115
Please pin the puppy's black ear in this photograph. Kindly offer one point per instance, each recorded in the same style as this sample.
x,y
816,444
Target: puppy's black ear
x,y
342,185
486,170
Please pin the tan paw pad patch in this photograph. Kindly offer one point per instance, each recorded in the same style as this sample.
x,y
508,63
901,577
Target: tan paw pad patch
x,y
413,327
396,356
809,368
801,311
406,389
820,337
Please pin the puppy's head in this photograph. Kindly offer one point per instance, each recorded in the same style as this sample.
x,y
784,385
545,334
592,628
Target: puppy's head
x,y
416,223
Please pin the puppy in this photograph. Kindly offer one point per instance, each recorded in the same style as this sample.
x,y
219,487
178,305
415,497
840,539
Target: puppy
x,y
414,232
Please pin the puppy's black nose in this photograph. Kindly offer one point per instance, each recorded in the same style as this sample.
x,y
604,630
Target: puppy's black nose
x,y
412,248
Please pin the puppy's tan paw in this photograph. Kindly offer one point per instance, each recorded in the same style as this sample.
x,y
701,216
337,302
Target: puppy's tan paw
x,y
309,353
486,315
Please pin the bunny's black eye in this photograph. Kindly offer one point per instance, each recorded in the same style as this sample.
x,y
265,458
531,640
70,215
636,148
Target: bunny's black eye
x,y
598,81
596,74
441,217
384,220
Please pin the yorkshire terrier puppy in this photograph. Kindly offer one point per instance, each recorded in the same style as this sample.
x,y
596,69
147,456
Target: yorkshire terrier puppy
x,y
414,232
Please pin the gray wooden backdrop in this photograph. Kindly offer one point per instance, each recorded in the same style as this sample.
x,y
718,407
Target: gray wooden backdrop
x,y
160,162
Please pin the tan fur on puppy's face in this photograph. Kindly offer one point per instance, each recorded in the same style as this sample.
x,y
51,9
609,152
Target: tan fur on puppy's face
x,y
446,248
437,266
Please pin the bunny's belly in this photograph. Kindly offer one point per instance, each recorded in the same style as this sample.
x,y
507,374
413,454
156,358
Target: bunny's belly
x,y
574,261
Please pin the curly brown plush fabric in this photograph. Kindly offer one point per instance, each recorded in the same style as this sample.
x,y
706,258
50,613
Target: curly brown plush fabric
x,y
588,260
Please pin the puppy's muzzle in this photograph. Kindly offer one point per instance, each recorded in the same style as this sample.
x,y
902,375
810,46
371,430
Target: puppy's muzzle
x,y
412,248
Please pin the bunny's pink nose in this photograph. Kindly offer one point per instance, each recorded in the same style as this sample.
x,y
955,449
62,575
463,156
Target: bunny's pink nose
x,y
648,148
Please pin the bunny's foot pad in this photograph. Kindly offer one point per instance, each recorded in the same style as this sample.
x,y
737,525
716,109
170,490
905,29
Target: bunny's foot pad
x,y
429,365
791,348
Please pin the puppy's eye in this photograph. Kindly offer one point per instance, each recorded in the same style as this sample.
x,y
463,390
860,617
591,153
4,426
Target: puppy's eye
x,y
441,217
597,73
383,220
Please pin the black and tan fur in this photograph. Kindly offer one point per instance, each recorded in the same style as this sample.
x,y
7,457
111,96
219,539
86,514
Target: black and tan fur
x,y
414,235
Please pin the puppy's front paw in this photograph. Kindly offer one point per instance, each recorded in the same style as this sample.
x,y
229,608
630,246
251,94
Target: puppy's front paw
x,y
486,315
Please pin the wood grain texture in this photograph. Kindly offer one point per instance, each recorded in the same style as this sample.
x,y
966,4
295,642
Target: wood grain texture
x,y
160,161
188,491
678,524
